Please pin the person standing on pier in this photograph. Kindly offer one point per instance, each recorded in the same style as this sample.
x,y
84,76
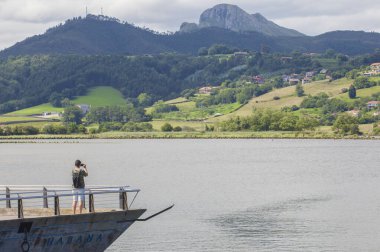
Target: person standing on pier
x,y
78,173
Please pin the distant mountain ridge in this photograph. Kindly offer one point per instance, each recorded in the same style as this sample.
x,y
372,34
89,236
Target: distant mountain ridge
x,y
99,35
232,17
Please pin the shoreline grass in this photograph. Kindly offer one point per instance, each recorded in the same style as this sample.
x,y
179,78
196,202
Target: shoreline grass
x,y
192,135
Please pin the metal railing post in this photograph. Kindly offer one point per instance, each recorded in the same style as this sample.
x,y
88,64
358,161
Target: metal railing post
x,y
45,199
123,201
8,196
91,203
57,210
20,208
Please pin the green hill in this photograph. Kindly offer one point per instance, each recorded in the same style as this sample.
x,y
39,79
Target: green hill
x,y
288,97
97,97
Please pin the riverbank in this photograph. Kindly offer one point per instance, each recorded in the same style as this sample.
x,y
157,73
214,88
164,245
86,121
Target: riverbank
x,y
194,135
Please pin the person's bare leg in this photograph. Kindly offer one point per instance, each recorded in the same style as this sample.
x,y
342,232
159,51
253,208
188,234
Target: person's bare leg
x,y
74,206
80,206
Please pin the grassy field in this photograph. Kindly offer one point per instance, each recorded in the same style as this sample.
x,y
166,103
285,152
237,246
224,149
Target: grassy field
x,y
38,125
360,93
288,97
46,107
319,134
9,119
186,106
186,125
188,111
177,100
97,97
101,96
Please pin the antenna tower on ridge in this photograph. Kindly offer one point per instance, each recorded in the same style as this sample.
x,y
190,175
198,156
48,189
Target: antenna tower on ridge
x,y
86,11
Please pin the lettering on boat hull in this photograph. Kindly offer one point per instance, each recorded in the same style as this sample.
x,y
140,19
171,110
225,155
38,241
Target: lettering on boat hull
x,y
85,232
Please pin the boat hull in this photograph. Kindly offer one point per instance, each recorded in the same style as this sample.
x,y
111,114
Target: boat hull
x,y
84,232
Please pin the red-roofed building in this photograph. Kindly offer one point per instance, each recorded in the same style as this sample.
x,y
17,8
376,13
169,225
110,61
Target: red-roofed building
x,y
373,104
375,66
205,90
258,79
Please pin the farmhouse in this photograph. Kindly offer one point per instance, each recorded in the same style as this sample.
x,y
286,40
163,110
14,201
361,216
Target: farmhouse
x,y
50,114
84,107
375,70
286,59
310,74
373,104
294,81
258,79
306,80
368,74
311,54
205,90
241,54
375,67
285,78
323,71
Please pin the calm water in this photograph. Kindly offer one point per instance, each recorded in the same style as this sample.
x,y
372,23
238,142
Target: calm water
x,y
230,195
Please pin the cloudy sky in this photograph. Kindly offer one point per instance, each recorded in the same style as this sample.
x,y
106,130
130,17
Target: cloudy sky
x,y
23,18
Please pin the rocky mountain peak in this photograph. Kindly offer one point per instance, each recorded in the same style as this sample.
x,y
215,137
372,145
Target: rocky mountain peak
x,y
232,17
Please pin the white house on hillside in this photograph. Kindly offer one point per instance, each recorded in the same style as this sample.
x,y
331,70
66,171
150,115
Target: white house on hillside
x,y
84,107
375,67
373,104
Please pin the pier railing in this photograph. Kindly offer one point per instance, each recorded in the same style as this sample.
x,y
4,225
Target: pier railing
x,y
57,199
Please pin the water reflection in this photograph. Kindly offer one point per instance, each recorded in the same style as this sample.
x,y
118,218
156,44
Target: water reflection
x,y
285,224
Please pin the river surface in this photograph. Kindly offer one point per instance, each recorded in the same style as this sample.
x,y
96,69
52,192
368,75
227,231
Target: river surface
x,y
229,195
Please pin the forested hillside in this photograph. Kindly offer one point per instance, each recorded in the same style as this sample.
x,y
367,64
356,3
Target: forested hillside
x,y
31,80
97,35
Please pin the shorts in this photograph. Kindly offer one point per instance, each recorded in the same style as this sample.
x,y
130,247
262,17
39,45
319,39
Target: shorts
x,y
78,193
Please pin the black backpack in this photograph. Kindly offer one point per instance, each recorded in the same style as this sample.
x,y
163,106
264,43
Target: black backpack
x,y
76,180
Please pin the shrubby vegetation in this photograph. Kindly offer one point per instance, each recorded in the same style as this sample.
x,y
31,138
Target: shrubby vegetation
x,y
167,127
328,106
49,129
230,93
269,120
122,114
127,127
73,114
299,90
346,124
363,82
137,127
376,129
18,130
161,107
352,92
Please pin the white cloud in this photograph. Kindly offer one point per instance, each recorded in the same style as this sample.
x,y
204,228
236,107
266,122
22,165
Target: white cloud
x,y
315,25
22,18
